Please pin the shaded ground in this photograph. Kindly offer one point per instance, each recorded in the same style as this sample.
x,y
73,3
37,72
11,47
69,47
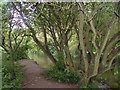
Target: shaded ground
x,y
33,77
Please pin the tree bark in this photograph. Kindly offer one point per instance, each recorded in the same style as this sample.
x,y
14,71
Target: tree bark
x,y
46,51
82,41
102,47
109,45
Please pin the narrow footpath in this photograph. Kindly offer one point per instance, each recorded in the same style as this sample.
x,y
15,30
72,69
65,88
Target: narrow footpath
x,y
33,77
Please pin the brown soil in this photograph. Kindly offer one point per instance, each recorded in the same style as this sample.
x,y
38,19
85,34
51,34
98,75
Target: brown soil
x,y
33,77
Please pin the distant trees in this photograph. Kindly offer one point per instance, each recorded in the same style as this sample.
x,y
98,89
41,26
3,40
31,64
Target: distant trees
x,y
95,26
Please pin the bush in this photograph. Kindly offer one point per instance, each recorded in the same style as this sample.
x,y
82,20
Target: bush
x,y
62,75
11,72
21,53
11,75
92,85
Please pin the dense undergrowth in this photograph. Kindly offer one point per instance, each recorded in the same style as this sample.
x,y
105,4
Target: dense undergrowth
x,y
11,71
62,75
57,72
11,75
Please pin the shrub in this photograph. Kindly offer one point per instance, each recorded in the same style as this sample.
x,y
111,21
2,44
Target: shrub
x,y
62,75
92,85
21,53
11,75
11,72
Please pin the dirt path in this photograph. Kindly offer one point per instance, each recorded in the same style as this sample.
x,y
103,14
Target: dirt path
x,y
33,77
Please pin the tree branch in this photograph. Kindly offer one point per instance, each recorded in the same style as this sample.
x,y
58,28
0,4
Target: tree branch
x,y
109,45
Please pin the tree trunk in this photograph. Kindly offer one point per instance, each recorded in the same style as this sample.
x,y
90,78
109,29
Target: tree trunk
x,y
82,41
47,52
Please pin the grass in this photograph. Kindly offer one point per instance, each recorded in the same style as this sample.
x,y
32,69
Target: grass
x,y
41,59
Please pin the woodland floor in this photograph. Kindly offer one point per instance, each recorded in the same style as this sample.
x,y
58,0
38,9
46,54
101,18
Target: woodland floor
x,y
33,77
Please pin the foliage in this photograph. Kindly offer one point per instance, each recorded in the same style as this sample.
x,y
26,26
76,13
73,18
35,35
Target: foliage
x,y
11,70
92,85
11,74
57,72
111,77
55,27
21,53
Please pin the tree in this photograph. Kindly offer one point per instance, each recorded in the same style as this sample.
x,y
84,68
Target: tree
x,y
95,25
57,27
102,42
12,31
